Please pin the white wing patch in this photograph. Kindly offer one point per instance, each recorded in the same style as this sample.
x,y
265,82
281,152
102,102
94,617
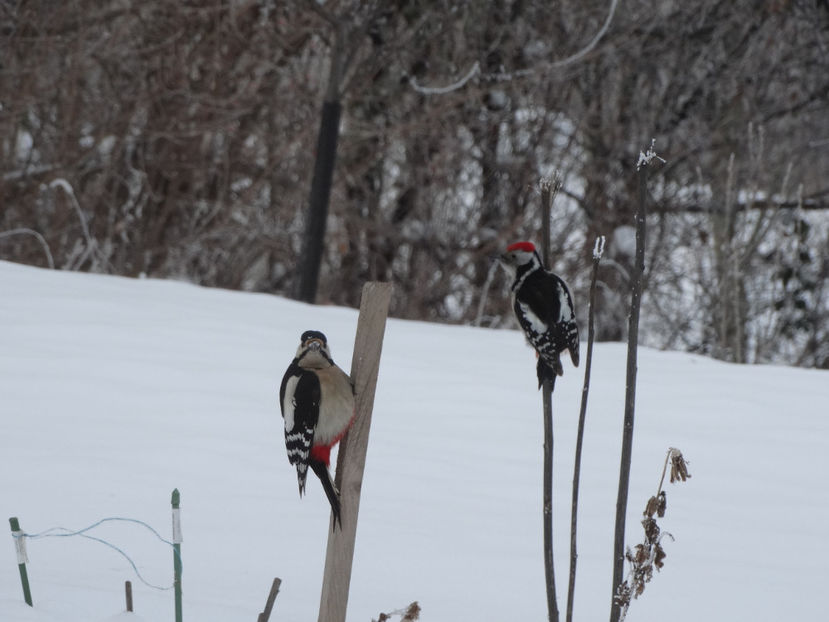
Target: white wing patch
x,y
537,325
565,313
289,404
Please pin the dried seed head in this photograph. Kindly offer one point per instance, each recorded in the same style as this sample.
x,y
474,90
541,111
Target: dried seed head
x,y
639,587
623,594
412,613
659,556
679,467
651,530
662,504
641,555
651,507
649,554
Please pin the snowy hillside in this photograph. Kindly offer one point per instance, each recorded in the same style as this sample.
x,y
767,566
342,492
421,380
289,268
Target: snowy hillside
x,y
115,391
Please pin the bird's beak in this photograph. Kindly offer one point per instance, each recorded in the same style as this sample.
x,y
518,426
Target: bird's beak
x,y
313,344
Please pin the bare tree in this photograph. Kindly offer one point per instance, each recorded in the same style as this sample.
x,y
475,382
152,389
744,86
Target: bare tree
x,y
188,135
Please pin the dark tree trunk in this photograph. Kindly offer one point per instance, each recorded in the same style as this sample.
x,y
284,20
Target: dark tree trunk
x,y
313,240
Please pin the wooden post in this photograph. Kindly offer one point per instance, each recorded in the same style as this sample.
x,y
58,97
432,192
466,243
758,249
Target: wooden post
x,y
266,614
351,461
20,545
176,500
128,593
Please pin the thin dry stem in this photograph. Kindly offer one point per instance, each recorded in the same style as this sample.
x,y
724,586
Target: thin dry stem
x,y
409,614
649,554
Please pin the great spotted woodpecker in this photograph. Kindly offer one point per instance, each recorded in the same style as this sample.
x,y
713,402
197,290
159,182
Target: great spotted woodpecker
x,y
317,401
544,308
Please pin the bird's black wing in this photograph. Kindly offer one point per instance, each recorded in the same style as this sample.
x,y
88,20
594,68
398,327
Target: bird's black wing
x,y
541,302
540,292
547,297
568,321
299,396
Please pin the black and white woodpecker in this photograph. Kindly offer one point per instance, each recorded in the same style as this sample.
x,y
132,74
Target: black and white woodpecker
x,y
317,401
544,308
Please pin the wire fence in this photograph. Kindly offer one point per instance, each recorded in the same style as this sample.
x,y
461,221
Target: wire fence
x,y
20,537
63,532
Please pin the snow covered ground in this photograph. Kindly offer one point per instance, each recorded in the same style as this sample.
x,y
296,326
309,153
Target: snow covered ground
x,y
115,391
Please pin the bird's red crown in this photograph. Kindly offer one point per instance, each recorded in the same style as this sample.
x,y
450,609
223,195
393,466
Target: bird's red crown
x,y
521,246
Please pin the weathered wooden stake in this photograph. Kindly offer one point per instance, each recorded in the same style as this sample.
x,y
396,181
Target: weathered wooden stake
x,y
351,461
128,594
20,545
266,614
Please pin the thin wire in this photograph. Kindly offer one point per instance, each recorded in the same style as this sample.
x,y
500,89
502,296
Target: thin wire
x,y
49,533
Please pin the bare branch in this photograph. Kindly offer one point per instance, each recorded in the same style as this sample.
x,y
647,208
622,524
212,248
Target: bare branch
x,y
36,235
593,42
442,90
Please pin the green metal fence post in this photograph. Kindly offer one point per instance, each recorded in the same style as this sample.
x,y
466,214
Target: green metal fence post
x,y
177,552
22,558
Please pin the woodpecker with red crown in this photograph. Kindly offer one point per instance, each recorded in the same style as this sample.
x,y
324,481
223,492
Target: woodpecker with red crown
x,y
317,402
544,309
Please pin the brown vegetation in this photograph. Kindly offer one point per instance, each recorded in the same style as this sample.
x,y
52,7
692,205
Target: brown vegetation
x,y
177,140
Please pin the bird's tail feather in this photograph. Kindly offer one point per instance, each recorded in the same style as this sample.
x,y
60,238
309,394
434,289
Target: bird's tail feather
x,y
545,370
330,490
574,356
301,474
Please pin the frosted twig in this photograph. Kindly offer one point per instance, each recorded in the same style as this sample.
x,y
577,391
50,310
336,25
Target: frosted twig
x,y
91,243
553,186
593,42
64,185
648,156
28,172
574,504
485,293
610,263
476,68
442,90
40,238
598,247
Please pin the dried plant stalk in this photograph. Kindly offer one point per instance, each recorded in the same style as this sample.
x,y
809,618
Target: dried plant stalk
x,y
409,614
649,554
